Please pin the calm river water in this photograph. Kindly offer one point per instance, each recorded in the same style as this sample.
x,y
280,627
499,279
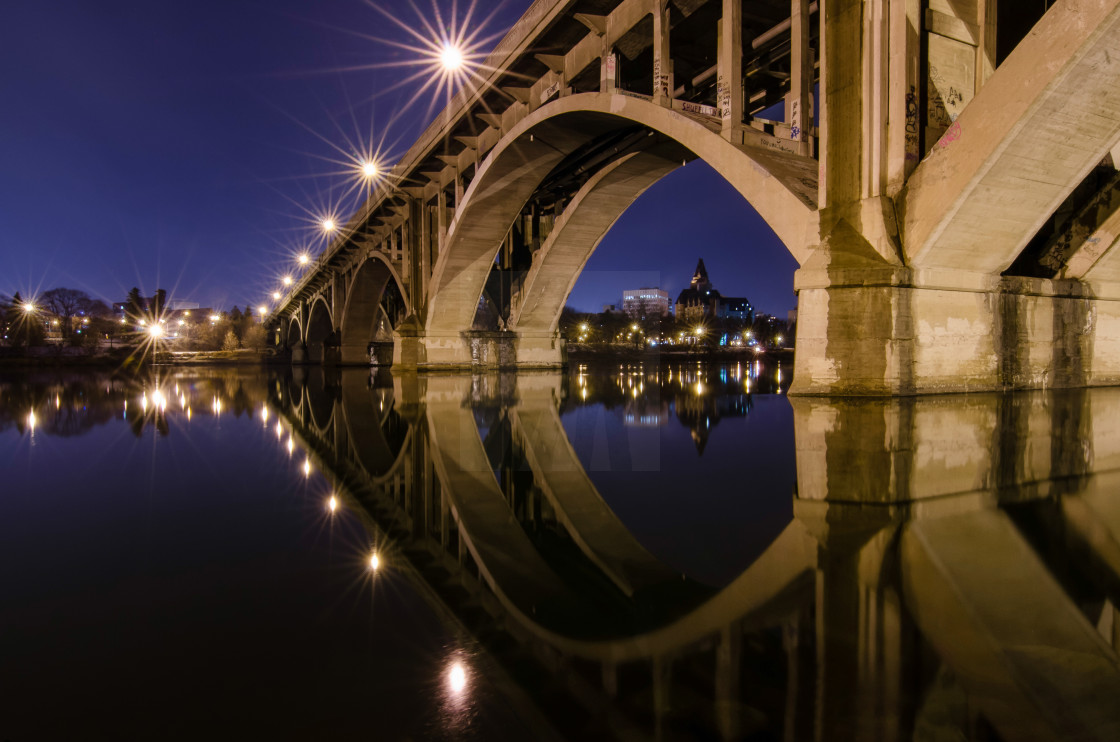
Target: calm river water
x,y
624,551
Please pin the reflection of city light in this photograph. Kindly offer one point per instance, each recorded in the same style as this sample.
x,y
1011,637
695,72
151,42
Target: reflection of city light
x,y
307,467
374,561
699,388
291,445
279,431
264,415
332,504
31,420
457,678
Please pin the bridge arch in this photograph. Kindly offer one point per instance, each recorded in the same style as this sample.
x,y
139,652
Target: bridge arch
x,y
320,326
294,335
363,307
781,186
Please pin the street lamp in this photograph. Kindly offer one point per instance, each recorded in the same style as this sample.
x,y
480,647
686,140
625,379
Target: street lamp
x,y
451,57
304,258
28,309
287,280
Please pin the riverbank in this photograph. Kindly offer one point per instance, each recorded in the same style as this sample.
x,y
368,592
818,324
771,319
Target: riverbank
x,y
578,352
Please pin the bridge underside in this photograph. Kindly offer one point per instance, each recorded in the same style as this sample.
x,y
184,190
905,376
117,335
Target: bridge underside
x,y
955,214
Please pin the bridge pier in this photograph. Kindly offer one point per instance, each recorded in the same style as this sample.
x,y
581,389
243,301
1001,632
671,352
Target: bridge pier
x,y
888,330
477,349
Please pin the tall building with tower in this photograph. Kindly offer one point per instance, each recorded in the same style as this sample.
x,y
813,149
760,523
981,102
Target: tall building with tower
x,y
701,301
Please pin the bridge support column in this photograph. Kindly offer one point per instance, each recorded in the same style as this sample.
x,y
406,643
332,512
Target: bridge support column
x,y
887,330
477,349
546,350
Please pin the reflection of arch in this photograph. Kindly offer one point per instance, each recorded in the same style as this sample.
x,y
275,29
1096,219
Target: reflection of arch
x,y
591,523
528,588
319,327
320,402
378,435
780,186
363,307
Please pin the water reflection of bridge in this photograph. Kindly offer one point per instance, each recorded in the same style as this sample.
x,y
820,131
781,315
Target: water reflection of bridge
x,y
953,566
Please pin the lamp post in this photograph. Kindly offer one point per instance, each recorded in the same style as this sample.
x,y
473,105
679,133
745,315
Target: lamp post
x,y
28,316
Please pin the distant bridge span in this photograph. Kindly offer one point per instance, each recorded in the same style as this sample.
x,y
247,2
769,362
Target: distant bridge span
x,y
958,203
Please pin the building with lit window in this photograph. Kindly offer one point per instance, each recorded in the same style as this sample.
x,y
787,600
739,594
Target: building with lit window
x,y
645,302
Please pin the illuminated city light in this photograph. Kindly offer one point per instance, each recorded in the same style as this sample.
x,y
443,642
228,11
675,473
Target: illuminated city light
x,y
264,415
262,309
215,317
275,296
451,57
291,445
279,431
156,331
370,169
328,225
28,307
287,280
304,258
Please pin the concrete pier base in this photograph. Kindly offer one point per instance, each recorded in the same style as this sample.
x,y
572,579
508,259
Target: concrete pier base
x,y
477,349
891,335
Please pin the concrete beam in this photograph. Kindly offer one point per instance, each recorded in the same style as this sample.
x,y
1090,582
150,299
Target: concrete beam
x,y
1043,120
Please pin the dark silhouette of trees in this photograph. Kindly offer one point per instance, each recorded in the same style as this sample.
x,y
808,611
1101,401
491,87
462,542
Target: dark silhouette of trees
x,y
159,303
134,306
66,304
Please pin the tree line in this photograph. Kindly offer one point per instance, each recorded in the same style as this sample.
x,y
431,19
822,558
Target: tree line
x,y
72,317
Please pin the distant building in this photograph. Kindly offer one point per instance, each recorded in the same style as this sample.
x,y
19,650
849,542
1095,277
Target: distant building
x,y
700,301
645,302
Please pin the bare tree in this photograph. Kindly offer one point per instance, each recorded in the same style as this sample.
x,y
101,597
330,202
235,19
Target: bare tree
x,y
66,304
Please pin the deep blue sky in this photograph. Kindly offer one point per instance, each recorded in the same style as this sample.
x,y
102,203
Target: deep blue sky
x,y
187,145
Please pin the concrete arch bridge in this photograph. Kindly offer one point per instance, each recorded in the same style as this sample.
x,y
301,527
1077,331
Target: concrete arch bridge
x,y
954,214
